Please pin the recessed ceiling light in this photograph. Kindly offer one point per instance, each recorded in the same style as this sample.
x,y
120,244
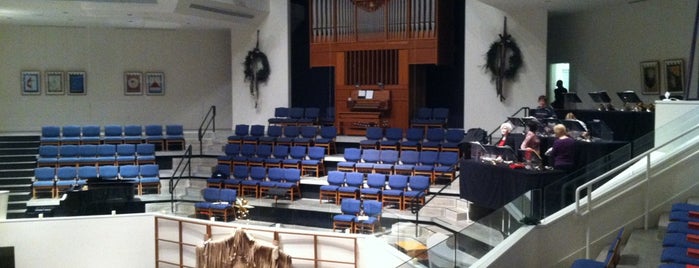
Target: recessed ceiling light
x,y
129,14
65,12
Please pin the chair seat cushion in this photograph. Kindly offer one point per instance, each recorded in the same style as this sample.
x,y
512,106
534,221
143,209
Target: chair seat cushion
x,y
432,144
383,166
677,255
393,192
329,188
681,227
409,143
682,216
414,194
685,207
125,158
43,183
273,160
250,182
404,167
108,158
370,220
150,180
232,181
220,206
442,169
214,180
291,161
364,165
145,157
154,138
267,184
347,189
678,240
50,139
65,183
286,185
586,263
424,168
47,160
68,160
202,205
310,162
346,164
373,191
343,217
323,140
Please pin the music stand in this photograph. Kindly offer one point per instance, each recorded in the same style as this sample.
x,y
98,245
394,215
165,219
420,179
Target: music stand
x,y
574,127
598,129
628,97
477,150
506,153
571,97
517,122
602,98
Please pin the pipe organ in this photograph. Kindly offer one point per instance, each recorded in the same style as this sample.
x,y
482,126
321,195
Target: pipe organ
x,y
371,45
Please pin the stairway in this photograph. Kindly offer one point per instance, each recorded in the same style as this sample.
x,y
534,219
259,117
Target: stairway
x,y
17,163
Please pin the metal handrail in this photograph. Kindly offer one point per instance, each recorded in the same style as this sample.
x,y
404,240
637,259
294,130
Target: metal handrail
x,y
526,113
413,201
187,160
209,121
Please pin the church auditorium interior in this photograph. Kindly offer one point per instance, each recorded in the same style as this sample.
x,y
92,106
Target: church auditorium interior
x,y
348,133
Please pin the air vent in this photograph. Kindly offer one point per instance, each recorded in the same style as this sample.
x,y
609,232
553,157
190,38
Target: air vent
x,y
221,11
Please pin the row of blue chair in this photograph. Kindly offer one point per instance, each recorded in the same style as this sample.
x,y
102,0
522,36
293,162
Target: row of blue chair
x,y
95,155
427,163
358,216
56,181
430,117
257,180
309,159
217,202
172,138
416,139
400,189
681,241
288,135
301,116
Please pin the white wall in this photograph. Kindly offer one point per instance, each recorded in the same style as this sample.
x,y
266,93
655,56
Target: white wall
x,y
102,241
196,65
274,42
483,24
605,46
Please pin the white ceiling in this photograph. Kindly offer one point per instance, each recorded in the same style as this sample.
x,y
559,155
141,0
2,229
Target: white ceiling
x,y
160,14
200,14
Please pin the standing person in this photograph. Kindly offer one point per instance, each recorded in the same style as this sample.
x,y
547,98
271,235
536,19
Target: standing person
x,y
563,150
559,101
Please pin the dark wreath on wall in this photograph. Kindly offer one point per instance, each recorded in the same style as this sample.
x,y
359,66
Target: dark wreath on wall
x,y
503,60
256,69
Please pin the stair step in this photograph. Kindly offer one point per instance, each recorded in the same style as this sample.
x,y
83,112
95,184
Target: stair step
x,y
18,158
13,173
16,205
15,180
17,165
454,214
7,138
19,151
20,197
19,144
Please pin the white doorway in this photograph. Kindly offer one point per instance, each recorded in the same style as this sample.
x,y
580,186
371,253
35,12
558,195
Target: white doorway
x,y
558,71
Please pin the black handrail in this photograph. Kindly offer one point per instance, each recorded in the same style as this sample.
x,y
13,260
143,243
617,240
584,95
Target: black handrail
x,y
175,179
526,113
415,209
208,121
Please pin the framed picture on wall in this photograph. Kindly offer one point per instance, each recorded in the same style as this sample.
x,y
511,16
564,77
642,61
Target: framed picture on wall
x,y
31,83
155,83
650,77
77,83
133,83
674,75
54,83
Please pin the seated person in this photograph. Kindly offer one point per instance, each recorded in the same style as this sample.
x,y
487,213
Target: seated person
x,y
563,150
544,110
531,140
571,116
505,130
582,135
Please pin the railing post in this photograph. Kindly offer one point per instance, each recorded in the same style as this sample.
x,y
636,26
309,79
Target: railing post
x,y
645,194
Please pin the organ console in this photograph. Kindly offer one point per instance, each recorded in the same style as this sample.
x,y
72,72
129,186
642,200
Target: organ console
x,y
367,108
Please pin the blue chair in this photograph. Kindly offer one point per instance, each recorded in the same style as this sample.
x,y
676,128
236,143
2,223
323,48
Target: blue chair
x,y
224,206
349,208
50,135
373,136
335,180
70,134
133,134
372,210
174,137
273,133
353,183
240,131
256,131
679,240
87,155
44,181
612,258
149,178
280,113
419,186
352,156
393,137
264,152
315,163
113,134
295,114
90,134
210,196
422,117
439,117
413,139
247,151
375,185
154,135
446,165
434,139
220,174
453,138
296,155
109,173
408,160
426,164
329,118
308,133
369,158
106,154
684,207
670,255
65,179
274,176
328,134
129,173
87,173
387,159
310,116
290,133
48,156
279,153
126,154
257,176
145,153
290,183
230,150
240,173
397,185
682,227
68,155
